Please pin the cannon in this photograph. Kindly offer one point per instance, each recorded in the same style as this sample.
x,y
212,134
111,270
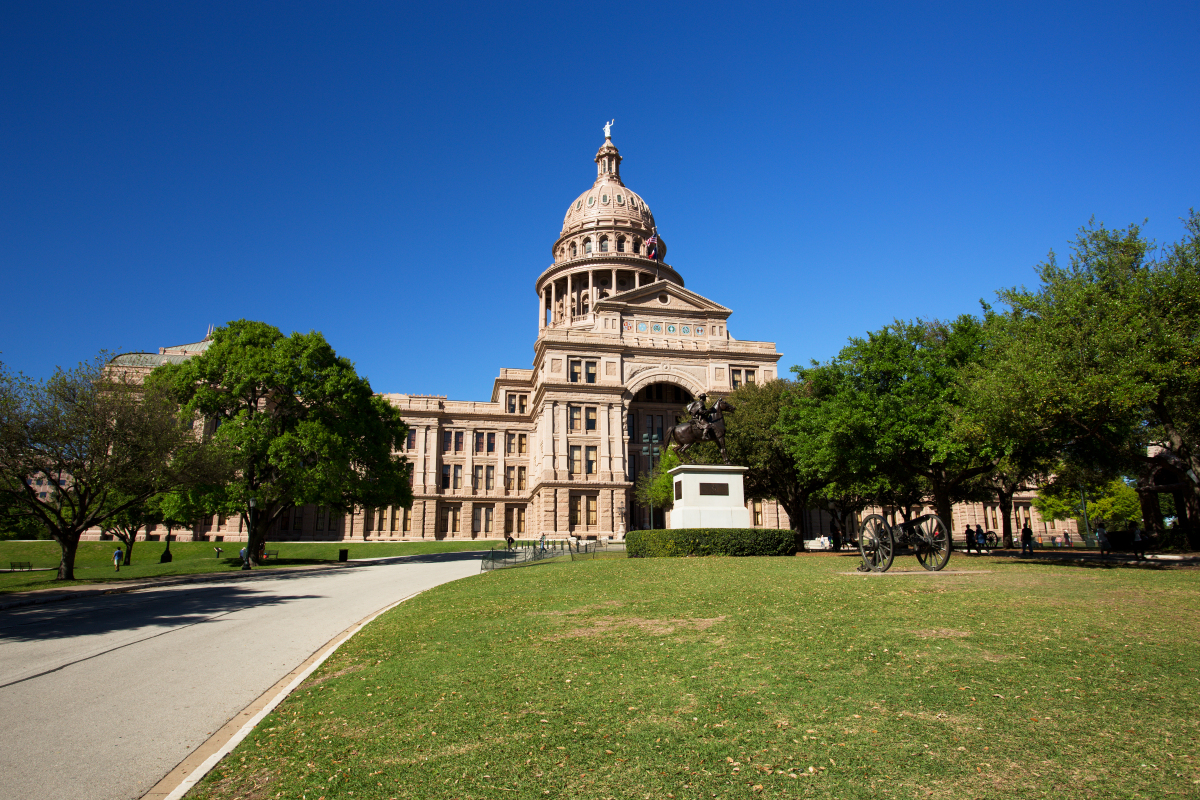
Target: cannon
x,y
926,536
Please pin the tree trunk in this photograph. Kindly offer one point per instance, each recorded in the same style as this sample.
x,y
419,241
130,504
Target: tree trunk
x,y
1192,504
944,508
1152,518
69,544
1004,496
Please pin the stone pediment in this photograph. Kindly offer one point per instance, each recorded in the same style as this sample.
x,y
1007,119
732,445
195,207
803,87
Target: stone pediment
x,y
649,298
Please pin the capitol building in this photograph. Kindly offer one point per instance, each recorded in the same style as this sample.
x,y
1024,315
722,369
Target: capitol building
x,y
622,346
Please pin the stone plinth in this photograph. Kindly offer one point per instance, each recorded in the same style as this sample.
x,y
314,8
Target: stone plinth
x,y
709,496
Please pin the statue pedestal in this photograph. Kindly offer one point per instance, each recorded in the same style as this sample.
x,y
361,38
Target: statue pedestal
x,y
709,496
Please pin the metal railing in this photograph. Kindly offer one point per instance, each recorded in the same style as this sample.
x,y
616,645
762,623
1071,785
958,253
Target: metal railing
x,y
528,552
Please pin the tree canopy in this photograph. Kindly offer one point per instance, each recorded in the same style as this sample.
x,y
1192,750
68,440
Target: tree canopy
x,y
302,425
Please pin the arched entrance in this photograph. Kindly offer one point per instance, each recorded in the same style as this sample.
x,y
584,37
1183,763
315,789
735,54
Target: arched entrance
x,y
653,407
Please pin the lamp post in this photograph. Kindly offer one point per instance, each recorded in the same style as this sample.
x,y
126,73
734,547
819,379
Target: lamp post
x,y
250,533
650,448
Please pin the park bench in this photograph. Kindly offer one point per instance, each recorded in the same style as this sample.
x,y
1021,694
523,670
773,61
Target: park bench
x,y
13,566
270,554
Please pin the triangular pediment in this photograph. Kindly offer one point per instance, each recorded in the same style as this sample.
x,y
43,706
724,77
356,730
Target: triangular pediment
x,y
650,298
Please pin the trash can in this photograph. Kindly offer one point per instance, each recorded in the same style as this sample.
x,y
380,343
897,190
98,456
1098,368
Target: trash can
x,y
343,555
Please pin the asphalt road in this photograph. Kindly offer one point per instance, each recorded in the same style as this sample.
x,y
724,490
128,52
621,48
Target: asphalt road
x,y
101,697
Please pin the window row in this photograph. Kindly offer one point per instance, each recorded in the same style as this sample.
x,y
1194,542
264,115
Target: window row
x,y
582,460
483,477
583,510
581,418
514,443
326,518
394,518
736,375
579,371
482,519
601,245
518,403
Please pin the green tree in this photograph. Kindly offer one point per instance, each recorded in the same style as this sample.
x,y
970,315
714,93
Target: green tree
x,y
1117,506
1105,356
654,488
85,444
778,467
304,427
889,404
126,524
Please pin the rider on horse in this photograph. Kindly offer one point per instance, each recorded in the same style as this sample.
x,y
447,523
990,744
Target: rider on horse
x,y
699,412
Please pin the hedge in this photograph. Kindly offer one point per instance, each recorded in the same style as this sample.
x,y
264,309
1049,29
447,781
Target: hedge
x,y
710,542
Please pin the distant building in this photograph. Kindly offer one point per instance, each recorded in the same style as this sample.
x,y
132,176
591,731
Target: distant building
x,y
622,347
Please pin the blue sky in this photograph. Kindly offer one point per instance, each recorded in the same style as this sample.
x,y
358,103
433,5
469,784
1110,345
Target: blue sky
x,y
394,175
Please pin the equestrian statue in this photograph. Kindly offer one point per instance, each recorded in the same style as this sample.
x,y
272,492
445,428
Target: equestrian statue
x,y
706,425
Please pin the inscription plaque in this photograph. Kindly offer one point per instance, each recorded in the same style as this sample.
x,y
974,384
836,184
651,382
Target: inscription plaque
x,y
721,489
678,490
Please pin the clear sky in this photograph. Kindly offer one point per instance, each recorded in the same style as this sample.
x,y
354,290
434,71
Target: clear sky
x,y
394,174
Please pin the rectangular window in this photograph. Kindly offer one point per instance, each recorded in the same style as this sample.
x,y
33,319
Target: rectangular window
x,y
512,404
397,513
445,521
320,523
576,465
650,424
522,440
379,523
508,520
591,511
520,520
491,442
591,461
458,441
510,443
523,403
573,416
487,519
510,477
631,422
520,478
447,437
479,443
749,377
477,478
455,520
591,371
412,439
445,476
589,422
491,478
476,519
758,513
735,378
458,476
660,427
298,519
575,371
576,510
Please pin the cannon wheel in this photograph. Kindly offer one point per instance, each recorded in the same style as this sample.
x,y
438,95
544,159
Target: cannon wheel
x,y
875,543
933,544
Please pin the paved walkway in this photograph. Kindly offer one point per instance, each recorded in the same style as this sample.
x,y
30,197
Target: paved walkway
x,y
102,695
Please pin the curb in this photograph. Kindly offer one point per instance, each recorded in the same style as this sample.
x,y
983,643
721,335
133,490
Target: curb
x,y
201,761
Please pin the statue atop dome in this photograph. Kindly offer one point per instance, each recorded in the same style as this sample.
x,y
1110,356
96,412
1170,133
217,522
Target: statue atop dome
x,y
608,129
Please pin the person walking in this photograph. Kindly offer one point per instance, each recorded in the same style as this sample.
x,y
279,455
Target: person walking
x,y
1102,540
980,538
1139,542
1026,539
117,559
968,537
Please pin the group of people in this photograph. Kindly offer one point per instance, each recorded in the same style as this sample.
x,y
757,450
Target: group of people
x,y
977,537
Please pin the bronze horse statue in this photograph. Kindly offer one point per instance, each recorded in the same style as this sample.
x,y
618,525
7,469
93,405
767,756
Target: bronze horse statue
x,y
686,434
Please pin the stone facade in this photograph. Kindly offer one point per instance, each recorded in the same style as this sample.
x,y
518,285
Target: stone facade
x,y
622,347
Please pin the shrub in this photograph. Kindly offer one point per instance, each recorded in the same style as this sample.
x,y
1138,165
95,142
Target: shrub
x,y
710,542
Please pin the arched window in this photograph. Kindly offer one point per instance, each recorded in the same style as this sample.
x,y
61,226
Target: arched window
x,y
603,244
637,245
620,244
574,250
587,245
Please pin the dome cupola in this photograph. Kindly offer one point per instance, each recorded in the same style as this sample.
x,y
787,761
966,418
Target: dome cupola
x,y
608,244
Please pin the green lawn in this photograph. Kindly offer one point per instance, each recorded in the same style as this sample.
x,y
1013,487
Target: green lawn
x,y
715,677
93,560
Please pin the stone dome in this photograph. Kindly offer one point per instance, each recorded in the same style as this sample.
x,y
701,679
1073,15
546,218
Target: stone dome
x,y
607,207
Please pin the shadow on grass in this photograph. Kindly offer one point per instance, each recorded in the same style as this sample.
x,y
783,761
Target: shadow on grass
x,y
166,608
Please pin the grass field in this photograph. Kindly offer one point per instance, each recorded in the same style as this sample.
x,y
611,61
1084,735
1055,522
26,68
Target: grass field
x,y
93,560
716,678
